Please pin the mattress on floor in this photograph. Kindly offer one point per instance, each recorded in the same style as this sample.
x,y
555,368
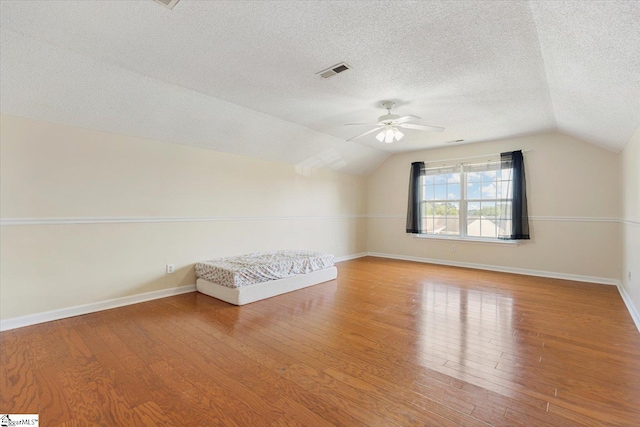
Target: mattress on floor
x,y
259,291
243,270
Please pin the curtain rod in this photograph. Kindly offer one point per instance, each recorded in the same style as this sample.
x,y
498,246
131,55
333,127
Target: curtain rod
x,y
469,158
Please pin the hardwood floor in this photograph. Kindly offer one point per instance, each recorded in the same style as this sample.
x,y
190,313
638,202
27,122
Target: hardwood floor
x,y
388,343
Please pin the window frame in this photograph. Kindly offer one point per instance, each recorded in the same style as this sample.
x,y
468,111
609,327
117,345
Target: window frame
x,y
425,202
463,202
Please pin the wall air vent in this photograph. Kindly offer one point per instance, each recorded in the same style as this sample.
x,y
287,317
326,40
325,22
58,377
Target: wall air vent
x,y
333,70
167,3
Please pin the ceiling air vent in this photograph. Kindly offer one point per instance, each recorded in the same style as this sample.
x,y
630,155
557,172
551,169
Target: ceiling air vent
x,y
167,3
333,70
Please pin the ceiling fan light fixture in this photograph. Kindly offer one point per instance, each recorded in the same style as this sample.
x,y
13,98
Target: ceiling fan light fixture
x,y
389,136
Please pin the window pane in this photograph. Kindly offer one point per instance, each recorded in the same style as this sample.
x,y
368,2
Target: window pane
x,y
453,226
481,228
428,209
488,190
429,192
504,210
427,223
473,190
488,228
473,177
439,218
453,192
453,209
488,209
429,180
473,219
505,227
440,179
489,176
453,178
473,209
473,227
441,192
439,209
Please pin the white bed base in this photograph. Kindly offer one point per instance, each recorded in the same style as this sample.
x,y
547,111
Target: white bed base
x,y
258,291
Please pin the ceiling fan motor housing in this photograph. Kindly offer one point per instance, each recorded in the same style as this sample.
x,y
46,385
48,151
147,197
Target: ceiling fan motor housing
x,y
387,119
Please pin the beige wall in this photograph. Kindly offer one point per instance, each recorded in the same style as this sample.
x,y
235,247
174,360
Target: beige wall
x,y
573,193
52,171
630,160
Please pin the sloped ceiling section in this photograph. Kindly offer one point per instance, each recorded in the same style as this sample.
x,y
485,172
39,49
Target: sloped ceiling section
x,y
46,82
240,76
591,51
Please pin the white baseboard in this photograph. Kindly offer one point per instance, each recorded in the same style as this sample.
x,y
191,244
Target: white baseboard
x,y
524,271
630,307
348,257
33,319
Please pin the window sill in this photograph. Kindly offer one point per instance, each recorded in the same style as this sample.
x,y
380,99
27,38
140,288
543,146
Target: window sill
x,y
467,239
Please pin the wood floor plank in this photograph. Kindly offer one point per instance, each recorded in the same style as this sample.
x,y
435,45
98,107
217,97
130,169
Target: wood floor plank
x,y
279,362
52,397
151,415
18,386
300,413
198,364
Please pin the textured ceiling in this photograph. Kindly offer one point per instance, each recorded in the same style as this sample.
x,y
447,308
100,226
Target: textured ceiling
x,y
240,76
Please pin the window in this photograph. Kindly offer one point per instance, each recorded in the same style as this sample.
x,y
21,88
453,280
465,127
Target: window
x,y
471,200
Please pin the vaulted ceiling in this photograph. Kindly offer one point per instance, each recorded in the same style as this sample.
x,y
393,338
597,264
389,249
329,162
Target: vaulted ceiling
x,y
241,77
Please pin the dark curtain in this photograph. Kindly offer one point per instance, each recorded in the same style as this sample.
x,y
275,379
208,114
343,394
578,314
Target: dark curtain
x,y
414,210
519,214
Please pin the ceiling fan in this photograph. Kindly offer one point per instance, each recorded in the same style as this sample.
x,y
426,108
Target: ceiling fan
x,y
389,123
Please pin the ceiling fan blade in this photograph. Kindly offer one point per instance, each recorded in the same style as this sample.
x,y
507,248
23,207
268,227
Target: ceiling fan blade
x,y
405,119
366,133
360,124
421,127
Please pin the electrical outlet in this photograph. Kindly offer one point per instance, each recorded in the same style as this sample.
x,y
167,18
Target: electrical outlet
x,y
171,268
453,248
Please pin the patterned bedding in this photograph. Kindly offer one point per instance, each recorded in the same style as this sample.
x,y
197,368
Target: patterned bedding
x,y
258,267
